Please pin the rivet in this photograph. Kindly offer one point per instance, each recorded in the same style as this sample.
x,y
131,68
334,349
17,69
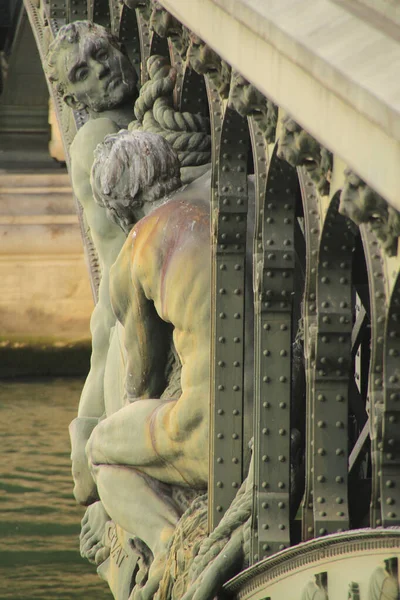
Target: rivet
x,y
321,398
220,436
320,499
281,527
237,291
220,460
283,353
281,485
265,547
343,280
236,316
265,458
235,412
222,291
219,508
321,424
391,515
322,531
220,484
237,267
282,404
264,505
236,340
221,339
221,388
281,458
283,327
321,451
340,513
235,484
282,379
339,398
282,432
221,363
320,478
343,305
235,460
339,451
339,500
339,424
325,319
281,505
322,513
266,352
235,436
265,431
389,483
266,326
264,484
235,388
265,526
324,280
390,501
266,379
220,411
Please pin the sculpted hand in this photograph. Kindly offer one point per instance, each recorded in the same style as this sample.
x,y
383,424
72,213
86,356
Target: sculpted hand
x,y
85,491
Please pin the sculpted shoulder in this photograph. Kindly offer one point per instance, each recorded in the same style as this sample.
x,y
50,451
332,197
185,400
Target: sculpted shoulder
x,y
87,138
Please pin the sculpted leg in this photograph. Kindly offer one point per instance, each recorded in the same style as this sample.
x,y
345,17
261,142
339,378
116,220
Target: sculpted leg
x,y
143,508
137,503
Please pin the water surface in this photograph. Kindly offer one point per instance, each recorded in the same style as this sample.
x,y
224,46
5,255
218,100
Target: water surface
x,y
39,520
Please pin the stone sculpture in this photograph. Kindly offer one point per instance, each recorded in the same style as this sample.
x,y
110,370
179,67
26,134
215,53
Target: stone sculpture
x,y
362,204
205,61
300,149
159,288
247,100
90,72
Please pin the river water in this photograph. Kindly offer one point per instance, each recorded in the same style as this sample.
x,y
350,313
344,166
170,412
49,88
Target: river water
x,y
39,520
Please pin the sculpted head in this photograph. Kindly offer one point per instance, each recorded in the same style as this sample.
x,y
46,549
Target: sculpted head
x,y
132,168
89,69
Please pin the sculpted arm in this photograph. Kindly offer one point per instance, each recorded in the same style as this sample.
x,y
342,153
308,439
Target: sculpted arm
x,y
108,239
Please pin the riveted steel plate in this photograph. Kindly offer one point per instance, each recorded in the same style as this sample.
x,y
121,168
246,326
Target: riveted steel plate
x,y
228,295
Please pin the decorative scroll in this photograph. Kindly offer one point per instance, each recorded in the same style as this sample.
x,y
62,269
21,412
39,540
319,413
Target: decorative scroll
x,y
362,204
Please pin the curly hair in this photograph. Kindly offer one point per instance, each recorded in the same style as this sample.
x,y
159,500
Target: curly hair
x,y
72,33
131,167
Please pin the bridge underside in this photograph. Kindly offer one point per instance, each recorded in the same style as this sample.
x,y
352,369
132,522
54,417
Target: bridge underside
x,y
303,101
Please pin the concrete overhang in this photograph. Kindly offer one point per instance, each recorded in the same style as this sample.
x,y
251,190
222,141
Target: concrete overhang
x,y
334,66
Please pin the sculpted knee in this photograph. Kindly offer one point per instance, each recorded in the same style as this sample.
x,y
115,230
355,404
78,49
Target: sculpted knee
x,y
93,447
